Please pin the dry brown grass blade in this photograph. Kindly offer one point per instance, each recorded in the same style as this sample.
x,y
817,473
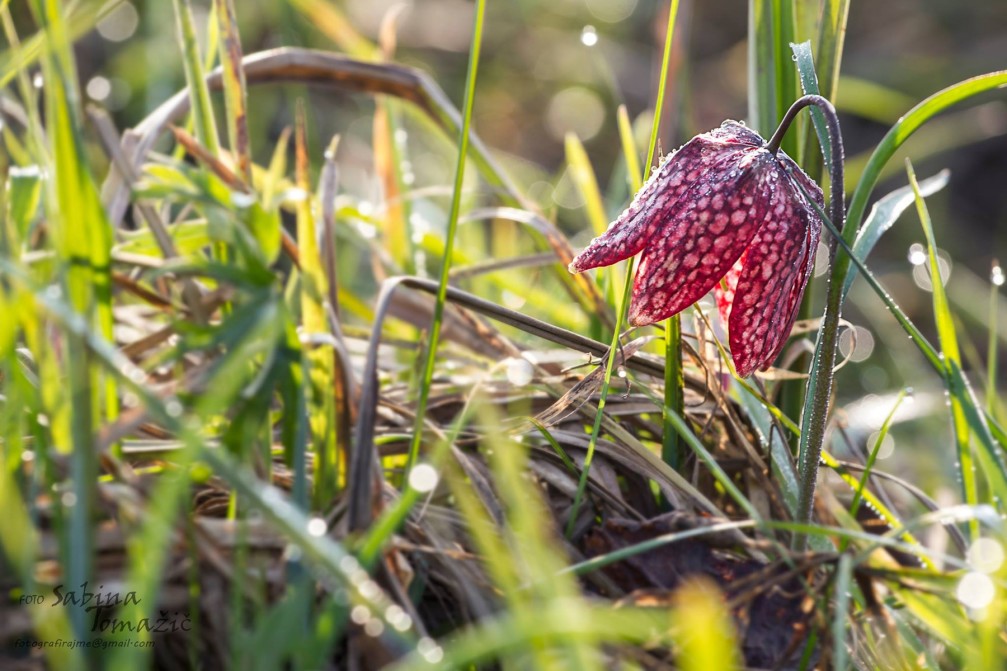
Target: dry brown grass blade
x,y
579,394
204,156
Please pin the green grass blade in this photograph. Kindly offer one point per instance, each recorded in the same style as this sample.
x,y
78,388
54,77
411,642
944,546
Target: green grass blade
x,y
624,304
809,84
830,45
82,238
584,179
427,375
235,96
80,19
763,112
996,281
873,456
841,592
787,90
950,354
674,384
202,111
319,358
884,214
900,132
629,152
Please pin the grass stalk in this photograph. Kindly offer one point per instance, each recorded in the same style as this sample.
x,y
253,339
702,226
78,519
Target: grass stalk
x,y
950,357
996,281
427,375
621,310
202,111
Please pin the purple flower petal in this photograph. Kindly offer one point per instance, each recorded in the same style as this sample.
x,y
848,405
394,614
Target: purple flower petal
x,y
651,207
777,266
703,237
721,213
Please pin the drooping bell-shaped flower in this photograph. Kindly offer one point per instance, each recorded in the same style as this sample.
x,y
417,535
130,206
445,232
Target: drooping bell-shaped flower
x,y
724,212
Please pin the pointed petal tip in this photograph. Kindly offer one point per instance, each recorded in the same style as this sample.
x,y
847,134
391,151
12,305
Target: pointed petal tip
x,y
745,367
638,317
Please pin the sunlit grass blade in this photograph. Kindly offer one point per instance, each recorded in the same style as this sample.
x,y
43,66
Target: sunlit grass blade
x,y
628,283
842,585
82,239
707,638
832,37
235,95
319,356
950,354
202,111
433,341
330,20
524,631
629,150
586,182
885,212
80,18
872,457
908,124
532,544
996,281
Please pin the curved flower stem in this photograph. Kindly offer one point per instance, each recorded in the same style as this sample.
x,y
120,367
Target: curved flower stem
x,y
818,398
